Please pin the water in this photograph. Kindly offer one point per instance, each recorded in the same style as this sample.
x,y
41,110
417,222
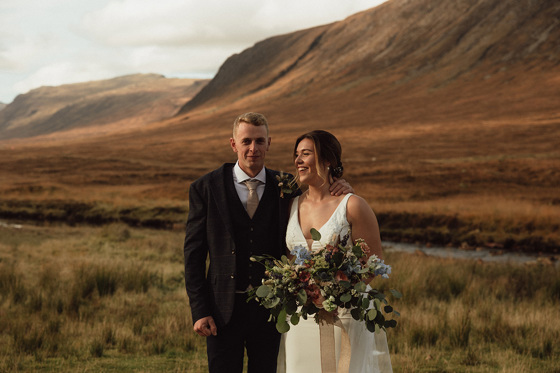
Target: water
x,y
484,254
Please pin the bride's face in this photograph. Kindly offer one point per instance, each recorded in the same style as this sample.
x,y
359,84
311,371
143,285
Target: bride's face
x,y
306,163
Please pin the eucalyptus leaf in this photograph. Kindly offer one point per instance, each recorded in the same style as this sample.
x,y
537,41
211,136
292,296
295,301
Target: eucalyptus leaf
x,y
315,234
302,296
372,314
294,319
346,297
291,307
388,309
281,316
283,327
357,250
338,258
380,296
263,291
357,314
365,303
390,323
396,293
274,302
345,284
360,287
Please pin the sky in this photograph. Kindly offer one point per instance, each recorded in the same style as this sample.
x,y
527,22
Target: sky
x,y
55,42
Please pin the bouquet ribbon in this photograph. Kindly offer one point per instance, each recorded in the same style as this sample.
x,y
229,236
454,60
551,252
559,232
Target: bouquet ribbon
x,y
328,352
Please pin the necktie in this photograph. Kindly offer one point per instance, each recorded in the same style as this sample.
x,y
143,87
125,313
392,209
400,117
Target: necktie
x,y
253,199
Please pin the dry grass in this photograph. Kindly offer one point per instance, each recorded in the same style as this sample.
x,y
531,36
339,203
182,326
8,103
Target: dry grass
x,y
112,298
498,178
94,297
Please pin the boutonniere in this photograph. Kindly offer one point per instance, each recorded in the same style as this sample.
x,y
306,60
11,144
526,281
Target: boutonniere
x,y
287,184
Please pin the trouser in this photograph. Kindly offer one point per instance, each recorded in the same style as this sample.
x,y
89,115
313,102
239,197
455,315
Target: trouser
x,y
248,328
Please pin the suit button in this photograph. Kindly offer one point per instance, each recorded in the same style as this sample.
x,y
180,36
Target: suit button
x,y
232,252
250,241
232,276
251,229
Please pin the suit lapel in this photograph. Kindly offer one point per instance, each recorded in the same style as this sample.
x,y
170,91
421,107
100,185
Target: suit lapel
x,y
219,193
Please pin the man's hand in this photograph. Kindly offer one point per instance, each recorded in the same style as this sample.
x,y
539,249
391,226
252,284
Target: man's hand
x,y
339,187
205,326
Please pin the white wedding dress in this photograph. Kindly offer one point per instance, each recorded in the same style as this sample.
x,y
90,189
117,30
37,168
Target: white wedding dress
x,y
300,348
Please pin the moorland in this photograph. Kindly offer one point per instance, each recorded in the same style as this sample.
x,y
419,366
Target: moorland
x,y
448,117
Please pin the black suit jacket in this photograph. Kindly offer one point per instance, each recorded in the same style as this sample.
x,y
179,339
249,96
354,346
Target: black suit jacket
x,y
209,232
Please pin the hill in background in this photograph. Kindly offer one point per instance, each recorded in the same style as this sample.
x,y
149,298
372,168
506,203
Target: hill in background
x,y
124,103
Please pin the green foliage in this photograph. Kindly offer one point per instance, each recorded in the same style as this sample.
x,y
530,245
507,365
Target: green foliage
x,y
318,283
315,235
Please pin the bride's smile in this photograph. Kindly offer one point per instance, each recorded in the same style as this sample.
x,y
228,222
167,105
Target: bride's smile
x,y
306,163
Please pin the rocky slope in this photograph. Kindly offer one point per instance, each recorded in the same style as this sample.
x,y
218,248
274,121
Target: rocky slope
x,y
434,57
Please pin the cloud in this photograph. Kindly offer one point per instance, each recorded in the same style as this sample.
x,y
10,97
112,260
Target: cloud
x,y
65,72
53,42
168,22
192,22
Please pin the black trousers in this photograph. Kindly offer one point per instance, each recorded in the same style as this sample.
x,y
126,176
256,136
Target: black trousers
x,y
248,328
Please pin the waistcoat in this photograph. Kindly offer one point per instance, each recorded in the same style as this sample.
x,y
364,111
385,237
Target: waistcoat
x,y
257,236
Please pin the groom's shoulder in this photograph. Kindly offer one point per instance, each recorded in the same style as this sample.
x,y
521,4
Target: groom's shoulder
x,y
214,175
272,172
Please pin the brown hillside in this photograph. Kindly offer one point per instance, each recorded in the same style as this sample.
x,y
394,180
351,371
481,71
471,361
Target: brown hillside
x,y
127,101
462,52
447,112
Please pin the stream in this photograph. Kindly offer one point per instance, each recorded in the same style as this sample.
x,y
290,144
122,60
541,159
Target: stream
x,y
484,254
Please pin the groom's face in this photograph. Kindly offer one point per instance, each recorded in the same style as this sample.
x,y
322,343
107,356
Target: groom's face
x,y
251,144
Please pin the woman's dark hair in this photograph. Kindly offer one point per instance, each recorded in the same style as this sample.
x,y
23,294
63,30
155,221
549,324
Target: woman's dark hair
x,y
327,149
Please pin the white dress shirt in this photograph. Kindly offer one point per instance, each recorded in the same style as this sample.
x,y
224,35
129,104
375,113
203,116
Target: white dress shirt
x,y
239,176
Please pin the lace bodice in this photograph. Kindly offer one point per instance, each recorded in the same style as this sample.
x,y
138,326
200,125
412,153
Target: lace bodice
x,y
336,230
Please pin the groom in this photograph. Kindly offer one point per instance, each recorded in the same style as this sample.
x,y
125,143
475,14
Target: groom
x,y
230,220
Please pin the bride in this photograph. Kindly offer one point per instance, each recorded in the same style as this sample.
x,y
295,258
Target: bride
x,y
339,219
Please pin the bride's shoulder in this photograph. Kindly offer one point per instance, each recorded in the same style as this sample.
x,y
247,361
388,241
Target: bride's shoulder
x,y
357,207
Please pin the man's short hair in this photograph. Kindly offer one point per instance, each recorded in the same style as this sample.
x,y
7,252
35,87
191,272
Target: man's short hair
x,y
256,119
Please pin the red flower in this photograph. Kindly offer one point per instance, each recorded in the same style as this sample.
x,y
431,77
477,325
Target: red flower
x,y
304,276
341,276
314,293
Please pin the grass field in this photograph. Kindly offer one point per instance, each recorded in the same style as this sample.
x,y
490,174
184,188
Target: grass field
x,y
112,298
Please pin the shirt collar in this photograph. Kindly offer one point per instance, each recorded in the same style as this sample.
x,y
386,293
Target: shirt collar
x,y
240,175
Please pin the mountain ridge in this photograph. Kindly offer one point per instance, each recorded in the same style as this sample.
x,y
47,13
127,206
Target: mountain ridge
x,y
130,100
421,45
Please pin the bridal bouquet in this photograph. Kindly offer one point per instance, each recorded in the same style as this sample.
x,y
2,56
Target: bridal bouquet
x,y
318,283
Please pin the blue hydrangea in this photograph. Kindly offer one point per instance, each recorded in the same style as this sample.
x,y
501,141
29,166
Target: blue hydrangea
x,y
356,268
383,270
301,253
